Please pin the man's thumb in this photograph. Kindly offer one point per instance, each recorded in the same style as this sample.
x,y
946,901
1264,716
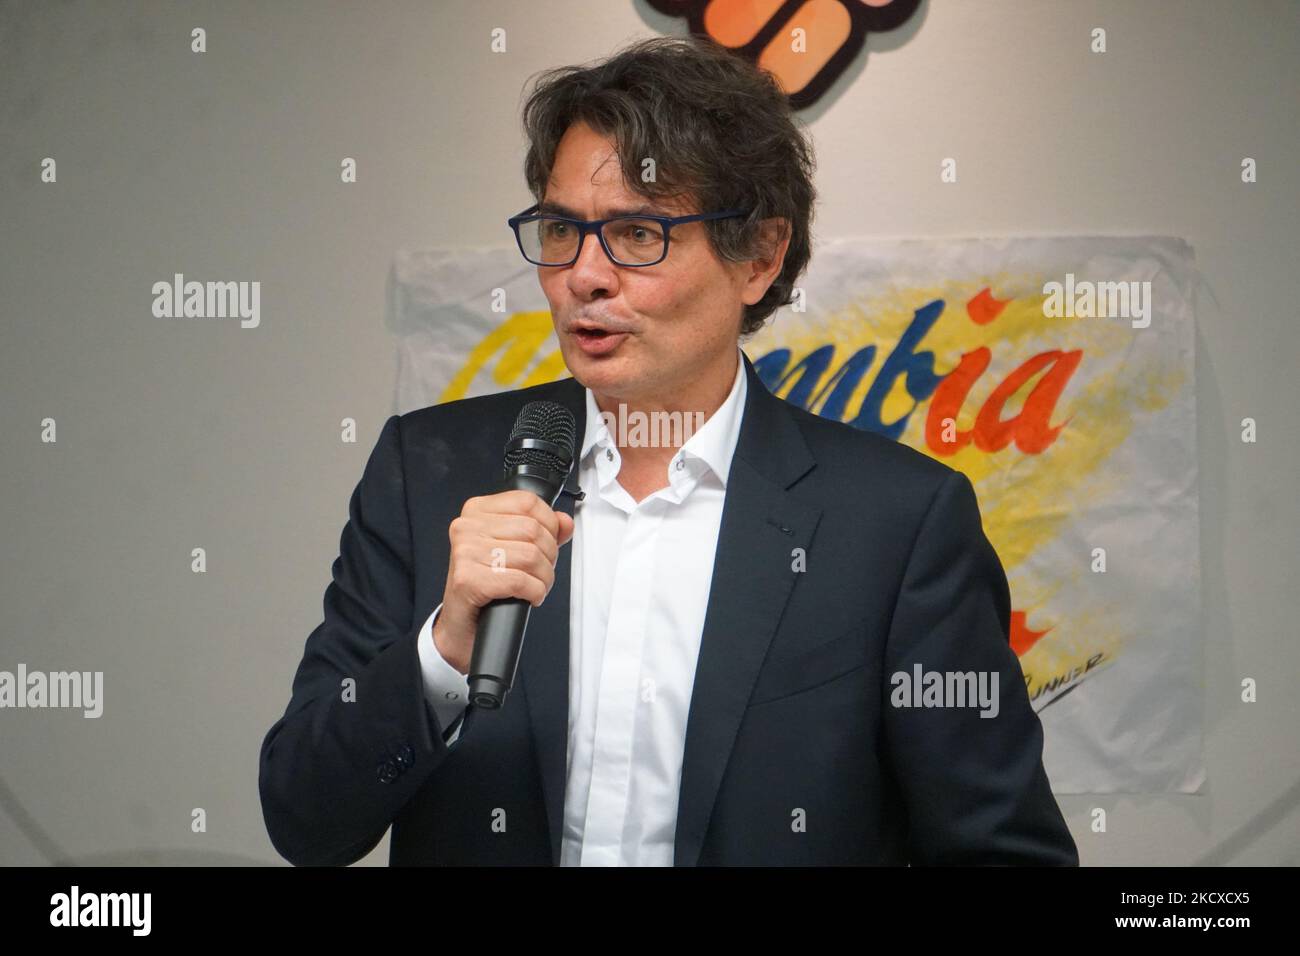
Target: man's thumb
x,y
566,526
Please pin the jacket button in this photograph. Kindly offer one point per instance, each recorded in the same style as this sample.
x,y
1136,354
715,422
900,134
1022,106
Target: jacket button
x,y
405,756
388,772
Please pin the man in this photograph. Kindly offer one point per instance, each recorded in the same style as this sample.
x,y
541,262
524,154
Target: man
x,y
708,674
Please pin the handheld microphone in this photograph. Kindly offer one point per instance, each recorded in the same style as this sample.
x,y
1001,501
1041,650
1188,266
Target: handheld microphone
x,y
538,457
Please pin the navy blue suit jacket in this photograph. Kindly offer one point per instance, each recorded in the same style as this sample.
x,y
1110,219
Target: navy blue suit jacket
x,y
794,753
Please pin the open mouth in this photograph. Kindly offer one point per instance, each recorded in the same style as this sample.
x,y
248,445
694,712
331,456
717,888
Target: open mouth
x,y
597,341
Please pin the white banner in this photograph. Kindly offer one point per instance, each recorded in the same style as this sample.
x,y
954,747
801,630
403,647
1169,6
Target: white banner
x,y
1056,373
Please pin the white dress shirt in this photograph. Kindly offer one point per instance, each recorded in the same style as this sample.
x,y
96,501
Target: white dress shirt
x,y
639,588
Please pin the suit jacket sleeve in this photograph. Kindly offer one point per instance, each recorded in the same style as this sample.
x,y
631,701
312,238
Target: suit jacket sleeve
x,y
344,759
975,788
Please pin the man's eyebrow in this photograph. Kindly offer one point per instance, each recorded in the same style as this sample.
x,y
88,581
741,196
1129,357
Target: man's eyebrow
x,y
558,209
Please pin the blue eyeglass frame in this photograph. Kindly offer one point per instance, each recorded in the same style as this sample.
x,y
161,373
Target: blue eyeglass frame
x,y
596,225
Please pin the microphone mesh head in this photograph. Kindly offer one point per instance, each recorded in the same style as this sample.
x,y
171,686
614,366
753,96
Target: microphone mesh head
x,y
550,421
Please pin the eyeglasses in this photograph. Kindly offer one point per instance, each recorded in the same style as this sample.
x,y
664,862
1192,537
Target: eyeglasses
x,y
634,241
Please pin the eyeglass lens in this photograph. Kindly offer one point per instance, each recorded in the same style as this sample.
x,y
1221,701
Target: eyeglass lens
x,y
549,241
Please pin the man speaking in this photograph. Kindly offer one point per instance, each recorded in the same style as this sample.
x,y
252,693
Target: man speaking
x,y
717,625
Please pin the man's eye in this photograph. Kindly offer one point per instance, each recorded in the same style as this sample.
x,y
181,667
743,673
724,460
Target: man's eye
x,y
642,232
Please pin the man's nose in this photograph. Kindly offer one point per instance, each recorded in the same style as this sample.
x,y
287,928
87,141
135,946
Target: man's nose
x,y
592,272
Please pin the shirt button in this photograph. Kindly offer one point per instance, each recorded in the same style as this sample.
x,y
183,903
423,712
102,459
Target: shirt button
x,y
452,695
681,463
609,454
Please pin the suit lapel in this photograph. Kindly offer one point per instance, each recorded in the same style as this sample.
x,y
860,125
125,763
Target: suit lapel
x,y
752,579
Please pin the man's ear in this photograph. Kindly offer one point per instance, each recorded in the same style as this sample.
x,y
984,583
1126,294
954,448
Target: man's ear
x,y
761,272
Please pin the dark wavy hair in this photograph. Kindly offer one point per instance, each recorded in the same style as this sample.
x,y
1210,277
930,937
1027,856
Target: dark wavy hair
x,y
719,129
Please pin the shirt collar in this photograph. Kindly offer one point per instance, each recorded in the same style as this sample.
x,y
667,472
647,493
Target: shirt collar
x,y
714,443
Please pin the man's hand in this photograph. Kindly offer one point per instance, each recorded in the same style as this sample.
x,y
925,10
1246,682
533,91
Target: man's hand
x,y
502,546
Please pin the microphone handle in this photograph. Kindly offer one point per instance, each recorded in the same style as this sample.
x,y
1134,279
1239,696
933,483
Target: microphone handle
x,y
499,636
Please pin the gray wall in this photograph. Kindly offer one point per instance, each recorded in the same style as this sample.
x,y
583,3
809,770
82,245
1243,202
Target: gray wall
x,y
178,434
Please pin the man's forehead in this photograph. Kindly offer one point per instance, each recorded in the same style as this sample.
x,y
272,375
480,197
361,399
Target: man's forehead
x,y
601,203
635,206
587,172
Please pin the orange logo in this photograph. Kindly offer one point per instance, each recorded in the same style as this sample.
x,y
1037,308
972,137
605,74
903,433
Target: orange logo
x,y
805,44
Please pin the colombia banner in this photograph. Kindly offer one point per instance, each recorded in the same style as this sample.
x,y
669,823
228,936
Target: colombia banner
x,y
1058,374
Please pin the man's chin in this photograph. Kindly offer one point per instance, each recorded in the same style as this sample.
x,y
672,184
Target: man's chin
x,y
604,369
605,377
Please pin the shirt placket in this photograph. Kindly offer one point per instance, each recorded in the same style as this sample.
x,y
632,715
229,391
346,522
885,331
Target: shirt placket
x,y
620,675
